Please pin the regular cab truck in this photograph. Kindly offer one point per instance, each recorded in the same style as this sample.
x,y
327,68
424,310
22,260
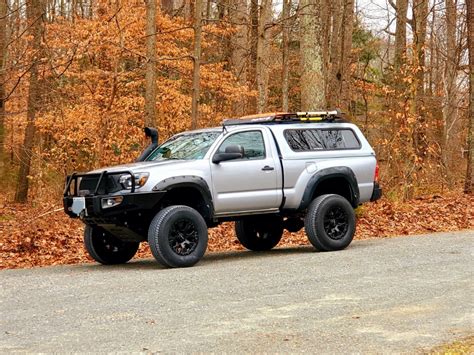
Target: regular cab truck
x,y
267,173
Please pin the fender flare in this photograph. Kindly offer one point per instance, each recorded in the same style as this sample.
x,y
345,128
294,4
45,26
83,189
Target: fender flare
x,y
192,181
328,173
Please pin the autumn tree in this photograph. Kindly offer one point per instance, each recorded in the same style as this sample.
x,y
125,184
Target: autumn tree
x,y
285,54
419,20
196,63
469,183
150,75
35,16
401,9
450,80
312,80
263,53
339,47
3,55
238,17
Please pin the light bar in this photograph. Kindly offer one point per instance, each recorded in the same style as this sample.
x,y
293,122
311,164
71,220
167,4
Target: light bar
x,y
318,113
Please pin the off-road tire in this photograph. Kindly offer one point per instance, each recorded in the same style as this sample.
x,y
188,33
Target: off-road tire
x,y
259,233
171,233
330,222
106,249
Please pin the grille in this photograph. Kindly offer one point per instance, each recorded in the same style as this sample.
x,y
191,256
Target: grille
x,y
88,185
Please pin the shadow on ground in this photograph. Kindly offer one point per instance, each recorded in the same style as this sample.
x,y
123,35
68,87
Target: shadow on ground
x,y
213,257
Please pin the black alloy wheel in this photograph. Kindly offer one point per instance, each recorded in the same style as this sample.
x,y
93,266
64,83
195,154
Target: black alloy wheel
x,y
183,237
178,236
330,222
336,222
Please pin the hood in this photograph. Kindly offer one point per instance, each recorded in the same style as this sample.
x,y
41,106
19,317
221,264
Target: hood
x,y
141,166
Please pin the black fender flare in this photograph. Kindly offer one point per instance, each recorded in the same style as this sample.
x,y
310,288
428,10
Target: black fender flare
x,y
328,173
192,181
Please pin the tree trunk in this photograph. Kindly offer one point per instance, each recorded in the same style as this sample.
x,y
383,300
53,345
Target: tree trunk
x,y
401,33
345,68
324,38
420,15
263,53
167,7
238,43
208,11
150,74
3,55
197,63
35,12
469,183
253,38
450,82
285,51
311,81
333,75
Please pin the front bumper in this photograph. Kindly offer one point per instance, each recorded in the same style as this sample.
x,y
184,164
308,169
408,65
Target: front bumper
x,y
131,203
377,193
127,220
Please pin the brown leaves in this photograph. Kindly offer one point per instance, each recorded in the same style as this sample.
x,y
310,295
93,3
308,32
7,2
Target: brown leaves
x,y
32,236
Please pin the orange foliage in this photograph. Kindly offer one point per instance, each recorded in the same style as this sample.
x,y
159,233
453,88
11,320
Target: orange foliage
x,y
91,113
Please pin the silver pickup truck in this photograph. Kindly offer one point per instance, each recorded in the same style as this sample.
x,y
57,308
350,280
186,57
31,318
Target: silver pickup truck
x,y
267,173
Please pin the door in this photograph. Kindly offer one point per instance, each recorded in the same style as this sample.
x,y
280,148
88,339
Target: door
x,y
248,184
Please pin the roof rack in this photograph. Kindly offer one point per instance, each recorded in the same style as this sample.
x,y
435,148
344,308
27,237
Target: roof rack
x,y
287,117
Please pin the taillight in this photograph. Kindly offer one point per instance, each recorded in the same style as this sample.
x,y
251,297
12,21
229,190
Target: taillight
x,y
376,176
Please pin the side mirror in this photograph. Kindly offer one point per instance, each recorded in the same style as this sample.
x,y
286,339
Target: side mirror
x,y
232,152
218,157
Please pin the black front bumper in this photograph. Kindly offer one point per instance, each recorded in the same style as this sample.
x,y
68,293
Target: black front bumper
x,y
377,193
128,220
131,203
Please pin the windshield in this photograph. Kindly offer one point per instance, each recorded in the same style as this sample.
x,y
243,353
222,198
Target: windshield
x,y
185,146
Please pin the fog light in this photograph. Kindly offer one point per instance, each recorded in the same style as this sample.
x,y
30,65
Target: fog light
x,y
109,202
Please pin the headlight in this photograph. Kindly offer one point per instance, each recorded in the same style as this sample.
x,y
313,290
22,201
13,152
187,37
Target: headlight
x,y
140,180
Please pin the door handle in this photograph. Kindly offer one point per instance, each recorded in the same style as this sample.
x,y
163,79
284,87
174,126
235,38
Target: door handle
x,y
268,168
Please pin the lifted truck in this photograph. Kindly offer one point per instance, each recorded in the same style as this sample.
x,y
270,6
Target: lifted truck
x,y
267,173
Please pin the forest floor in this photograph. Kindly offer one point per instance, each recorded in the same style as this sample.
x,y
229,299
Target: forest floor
x,y
43,235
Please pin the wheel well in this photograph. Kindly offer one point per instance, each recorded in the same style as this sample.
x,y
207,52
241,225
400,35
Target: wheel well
x,y
189,196
334,185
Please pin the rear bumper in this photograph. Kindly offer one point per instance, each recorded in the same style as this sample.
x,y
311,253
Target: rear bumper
x,y
377,193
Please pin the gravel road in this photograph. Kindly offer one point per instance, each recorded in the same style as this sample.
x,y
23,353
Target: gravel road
x,y
386,295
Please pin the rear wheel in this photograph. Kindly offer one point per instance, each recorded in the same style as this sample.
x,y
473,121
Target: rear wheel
x,y
330,222
259,233
178,236
107,249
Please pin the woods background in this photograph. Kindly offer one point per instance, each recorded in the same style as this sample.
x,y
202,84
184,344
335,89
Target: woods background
x,y
80,78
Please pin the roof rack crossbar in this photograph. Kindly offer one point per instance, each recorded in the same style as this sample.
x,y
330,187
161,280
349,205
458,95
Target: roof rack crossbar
x,y
310,116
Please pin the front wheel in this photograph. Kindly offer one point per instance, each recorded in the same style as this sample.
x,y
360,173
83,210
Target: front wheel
x,y
107,249
259,233
178,236
330,222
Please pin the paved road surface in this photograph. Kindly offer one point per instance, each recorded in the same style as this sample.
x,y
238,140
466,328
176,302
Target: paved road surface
x,y
392,295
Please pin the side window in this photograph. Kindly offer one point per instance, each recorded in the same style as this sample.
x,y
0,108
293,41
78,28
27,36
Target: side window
x,y
252,143
303,140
